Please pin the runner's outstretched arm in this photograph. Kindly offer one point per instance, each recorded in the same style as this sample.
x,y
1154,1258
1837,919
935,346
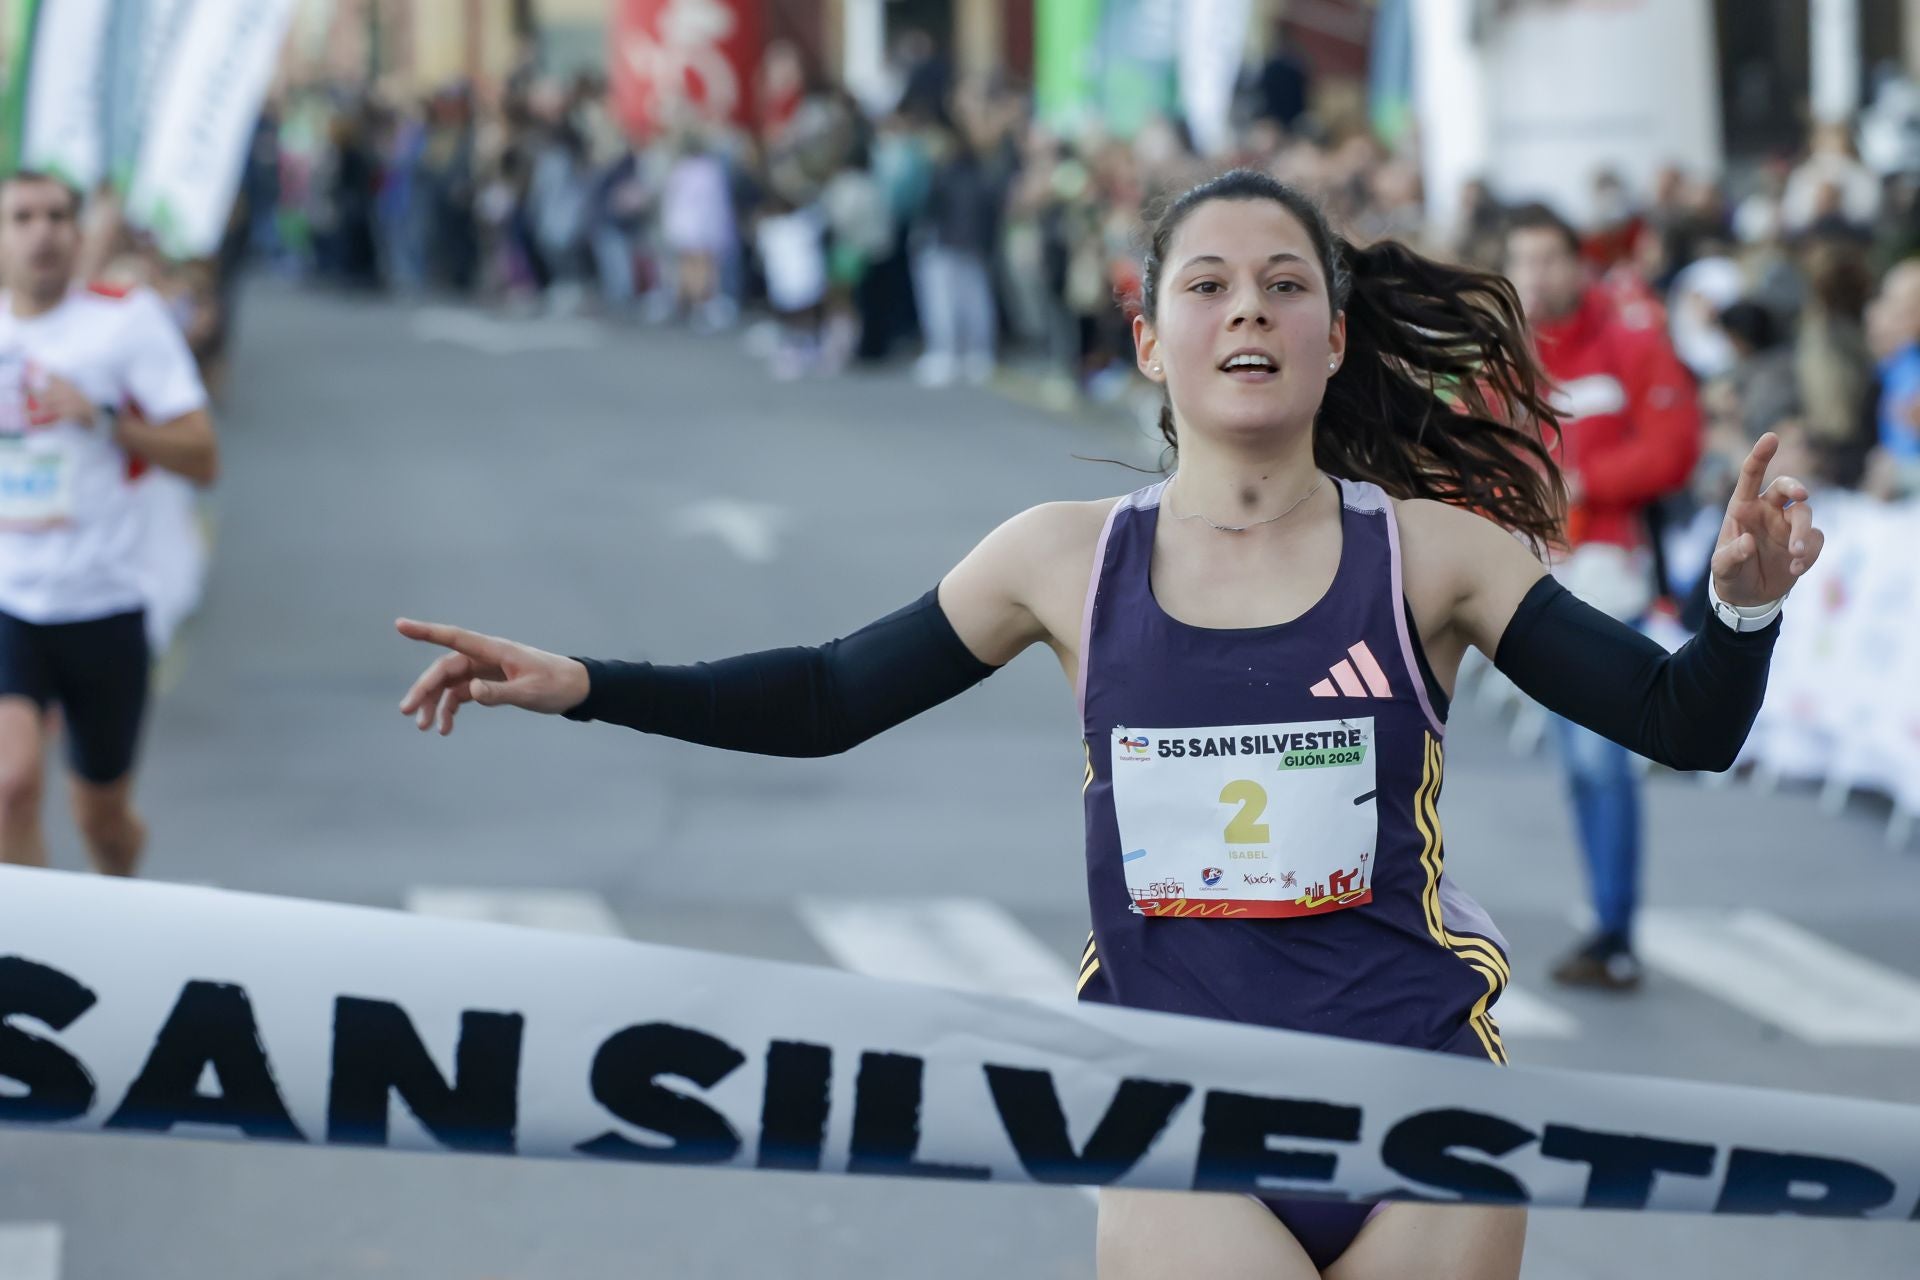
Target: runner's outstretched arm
x,y
1688,710
801,701
816,701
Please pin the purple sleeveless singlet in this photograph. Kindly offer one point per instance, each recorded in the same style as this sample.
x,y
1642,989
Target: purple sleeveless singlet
x,y
1416,962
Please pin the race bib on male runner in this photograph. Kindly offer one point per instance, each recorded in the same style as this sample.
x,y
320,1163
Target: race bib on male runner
x,y
36,480
1247,821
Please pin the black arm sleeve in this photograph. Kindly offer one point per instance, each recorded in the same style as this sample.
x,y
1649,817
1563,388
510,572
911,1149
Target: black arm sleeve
x,y
1686,710
794,702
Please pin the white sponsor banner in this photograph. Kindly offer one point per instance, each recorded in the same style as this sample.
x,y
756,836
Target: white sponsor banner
x,y
1213,36
1833,34
140,37
203,111
143,1008
1537,96
63,130
1843,701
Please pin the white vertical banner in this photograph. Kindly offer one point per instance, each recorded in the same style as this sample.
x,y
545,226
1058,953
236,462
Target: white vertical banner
x,y
203,111
1500,97
64,128
1833,42
140,35
1450,103
1213,35
863,54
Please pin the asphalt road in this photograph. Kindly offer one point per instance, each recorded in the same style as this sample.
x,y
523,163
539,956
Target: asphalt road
x,y
634,493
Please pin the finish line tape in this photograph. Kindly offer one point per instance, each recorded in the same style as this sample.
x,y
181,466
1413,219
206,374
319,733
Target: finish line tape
x,y
132,1007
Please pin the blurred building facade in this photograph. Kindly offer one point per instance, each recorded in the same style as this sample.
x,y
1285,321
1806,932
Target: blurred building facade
x,y
421,43
1752,72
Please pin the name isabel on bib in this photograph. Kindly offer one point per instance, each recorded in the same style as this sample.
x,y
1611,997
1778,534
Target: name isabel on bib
x,y
1247,821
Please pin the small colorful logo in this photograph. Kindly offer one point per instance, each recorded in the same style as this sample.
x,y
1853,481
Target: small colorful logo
x,y
1135,746
1210,876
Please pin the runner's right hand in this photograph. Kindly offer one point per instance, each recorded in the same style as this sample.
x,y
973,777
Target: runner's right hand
x,y
58,400
490,671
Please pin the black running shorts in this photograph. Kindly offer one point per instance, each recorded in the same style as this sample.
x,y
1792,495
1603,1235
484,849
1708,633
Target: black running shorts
x,y
96,671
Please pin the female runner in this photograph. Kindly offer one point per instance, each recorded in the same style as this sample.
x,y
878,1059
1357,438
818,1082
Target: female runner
x,y
1262,646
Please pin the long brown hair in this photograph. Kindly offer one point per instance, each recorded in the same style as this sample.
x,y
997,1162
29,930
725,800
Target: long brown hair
x,y
1440,394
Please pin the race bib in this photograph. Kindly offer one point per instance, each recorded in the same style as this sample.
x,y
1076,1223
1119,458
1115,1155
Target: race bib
x,y
36,480
1247,821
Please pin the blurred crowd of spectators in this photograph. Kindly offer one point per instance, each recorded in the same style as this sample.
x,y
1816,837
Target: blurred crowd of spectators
x,y
948,227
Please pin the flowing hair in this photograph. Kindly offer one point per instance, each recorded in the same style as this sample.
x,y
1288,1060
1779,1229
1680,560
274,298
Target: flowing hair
x,y
1440,394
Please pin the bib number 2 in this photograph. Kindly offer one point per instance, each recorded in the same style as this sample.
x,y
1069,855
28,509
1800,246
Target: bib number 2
x,y
1246,827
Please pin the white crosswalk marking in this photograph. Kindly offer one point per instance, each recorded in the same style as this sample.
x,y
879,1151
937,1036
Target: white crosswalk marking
x,y
29,1251
502,336
1521,1013
966,943
559,910
751,530
1784,975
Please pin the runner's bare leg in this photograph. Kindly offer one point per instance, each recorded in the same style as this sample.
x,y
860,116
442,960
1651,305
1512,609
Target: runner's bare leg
x,y
114,833
22,783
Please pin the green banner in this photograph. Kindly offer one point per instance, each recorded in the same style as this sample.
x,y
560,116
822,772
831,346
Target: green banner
x,y
1136,46
1066,38
16,58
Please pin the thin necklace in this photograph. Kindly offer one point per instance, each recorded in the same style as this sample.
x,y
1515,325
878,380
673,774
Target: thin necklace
x,y
1242,528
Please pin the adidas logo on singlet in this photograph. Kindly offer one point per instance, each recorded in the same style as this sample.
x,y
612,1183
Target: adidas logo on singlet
x,y
1345,677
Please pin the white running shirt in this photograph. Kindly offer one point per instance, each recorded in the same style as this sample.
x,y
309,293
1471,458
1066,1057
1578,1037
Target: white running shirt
x,y
71,526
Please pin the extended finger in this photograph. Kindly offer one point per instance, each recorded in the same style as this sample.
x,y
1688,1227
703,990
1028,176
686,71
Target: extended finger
x,y
1754,469
484,648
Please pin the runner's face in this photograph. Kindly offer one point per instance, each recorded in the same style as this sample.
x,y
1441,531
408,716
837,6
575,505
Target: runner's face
x,y
38,237
1242,276
1545,272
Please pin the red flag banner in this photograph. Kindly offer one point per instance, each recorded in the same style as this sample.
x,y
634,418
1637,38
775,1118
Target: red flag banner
x,y
665,56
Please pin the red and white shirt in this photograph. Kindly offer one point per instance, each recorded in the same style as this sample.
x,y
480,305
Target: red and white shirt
x,y
71,526
1630,430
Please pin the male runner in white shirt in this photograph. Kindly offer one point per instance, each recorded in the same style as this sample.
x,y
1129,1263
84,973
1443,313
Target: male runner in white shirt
x,y
95,386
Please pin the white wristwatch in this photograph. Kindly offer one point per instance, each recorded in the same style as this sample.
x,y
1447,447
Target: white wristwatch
x,y
1742,617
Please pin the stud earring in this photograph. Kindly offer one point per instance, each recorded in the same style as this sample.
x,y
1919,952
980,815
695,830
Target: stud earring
x,y
1156,368
1332,366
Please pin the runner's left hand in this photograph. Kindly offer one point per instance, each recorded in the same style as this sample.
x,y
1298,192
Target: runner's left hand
x,y
1767,540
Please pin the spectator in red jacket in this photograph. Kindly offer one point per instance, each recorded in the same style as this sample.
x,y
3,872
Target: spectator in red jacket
x,y
1631,433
